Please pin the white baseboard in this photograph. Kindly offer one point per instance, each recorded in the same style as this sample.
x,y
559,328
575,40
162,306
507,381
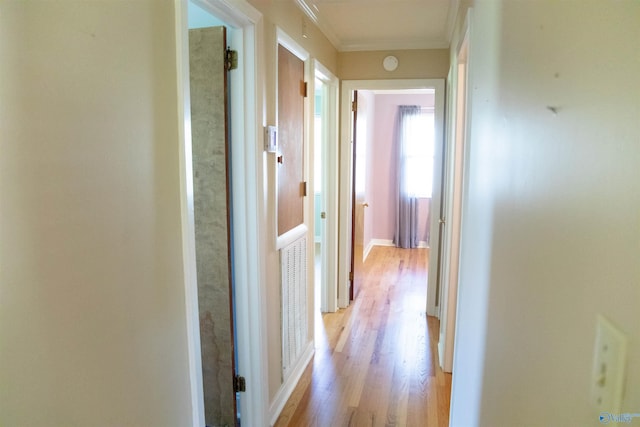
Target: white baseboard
x,y
284,393
387,242
382,242
367,250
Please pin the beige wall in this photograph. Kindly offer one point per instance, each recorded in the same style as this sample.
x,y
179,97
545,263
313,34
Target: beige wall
x,y
412,64
92,308
550,223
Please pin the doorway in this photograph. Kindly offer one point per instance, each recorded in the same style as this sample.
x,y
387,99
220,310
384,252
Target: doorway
x,y
241,20
393,147
451,216
325,183
347,179
210,138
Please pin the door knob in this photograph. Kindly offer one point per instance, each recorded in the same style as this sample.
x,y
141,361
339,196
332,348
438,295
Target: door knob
x,y
365,205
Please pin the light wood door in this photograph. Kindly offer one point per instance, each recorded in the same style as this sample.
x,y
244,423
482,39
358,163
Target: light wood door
x,y
356,251
291,185
210,151
357,202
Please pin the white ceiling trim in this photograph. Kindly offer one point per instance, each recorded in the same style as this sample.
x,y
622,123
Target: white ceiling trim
x,y
392,45
310,11
452,17
381,44
423,91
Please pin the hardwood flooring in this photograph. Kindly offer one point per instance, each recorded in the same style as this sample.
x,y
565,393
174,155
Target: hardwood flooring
x,y
376,361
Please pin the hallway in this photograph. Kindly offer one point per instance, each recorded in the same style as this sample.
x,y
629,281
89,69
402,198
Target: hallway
x,y
376,361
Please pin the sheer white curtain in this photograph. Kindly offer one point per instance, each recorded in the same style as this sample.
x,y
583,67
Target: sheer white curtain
x,y
409,128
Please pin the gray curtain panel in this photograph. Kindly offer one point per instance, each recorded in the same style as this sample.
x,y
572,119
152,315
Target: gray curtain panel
x,y
406,235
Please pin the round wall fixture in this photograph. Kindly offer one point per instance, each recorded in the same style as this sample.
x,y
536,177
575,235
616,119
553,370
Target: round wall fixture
x,y
390,63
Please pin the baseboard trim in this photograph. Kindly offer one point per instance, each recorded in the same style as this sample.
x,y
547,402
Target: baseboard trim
x,y
367,250
386,242
382,242
284,393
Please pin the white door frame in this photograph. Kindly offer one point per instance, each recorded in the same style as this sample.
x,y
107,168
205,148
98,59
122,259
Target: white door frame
x,y
245,36
329,248
455,170
344,245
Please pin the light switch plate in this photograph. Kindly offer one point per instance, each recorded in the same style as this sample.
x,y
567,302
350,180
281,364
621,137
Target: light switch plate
x,y
609,363
271,139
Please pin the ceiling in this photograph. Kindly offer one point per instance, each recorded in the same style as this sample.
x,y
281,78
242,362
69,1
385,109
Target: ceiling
x,y
383,24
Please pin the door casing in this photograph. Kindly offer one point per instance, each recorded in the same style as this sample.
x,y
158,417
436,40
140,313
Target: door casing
x,y
246,98
329,238
456,161
345,210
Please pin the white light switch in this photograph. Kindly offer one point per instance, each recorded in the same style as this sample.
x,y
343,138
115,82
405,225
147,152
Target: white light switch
x,y
609,362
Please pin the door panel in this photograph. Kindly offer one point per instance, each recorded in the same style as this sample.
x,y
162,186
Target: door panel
x,y
291,92
360,190
356,252
210,145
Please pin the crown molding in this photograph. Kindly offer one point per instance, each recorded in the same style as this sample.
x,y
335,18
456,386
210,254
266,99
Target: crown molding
x,y
382,44
452,17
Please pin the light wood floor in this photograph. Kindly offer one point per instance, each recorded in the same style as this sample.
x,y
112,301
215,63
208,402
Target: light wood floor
x,y
376,361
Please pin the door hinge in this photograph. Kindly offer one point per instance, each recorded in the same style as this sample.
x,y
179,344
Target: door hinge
x,y
304,89
303,186
231,59
354,106
239,384
351,276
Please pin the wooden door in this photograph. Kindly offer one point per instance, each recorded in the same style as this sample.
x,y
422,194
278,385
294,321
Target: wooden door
x,y
210,153
356,234
291,185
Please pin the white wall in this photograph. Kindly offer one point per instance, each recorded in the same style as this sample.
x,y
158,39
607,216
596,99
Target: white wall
x,y
551,231
92,308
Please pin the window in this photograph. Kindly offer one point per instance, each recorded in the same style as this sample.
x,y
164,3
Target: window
x,y
418,129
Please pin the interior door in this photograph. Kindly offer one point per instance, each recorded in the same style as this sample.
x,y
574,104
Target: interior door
x,y
442,222
451,246
210,153
320,194
356,252
437,227
291,185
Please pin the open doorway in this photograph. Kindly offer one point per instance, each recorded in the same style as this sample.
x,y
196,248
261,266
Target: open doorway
x,y
451,214
393,171
240,21
353,207
325,183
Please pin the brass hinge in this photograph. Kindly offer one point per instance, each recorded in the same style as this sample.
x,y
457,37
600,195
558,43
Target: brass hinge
x,y
351,276
304,89
231,59
354,106
303,188
239,384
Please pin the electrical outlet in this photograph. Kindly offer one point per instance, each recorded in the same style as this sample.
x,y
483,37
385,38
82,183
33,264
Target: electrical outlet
x,y
609,362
